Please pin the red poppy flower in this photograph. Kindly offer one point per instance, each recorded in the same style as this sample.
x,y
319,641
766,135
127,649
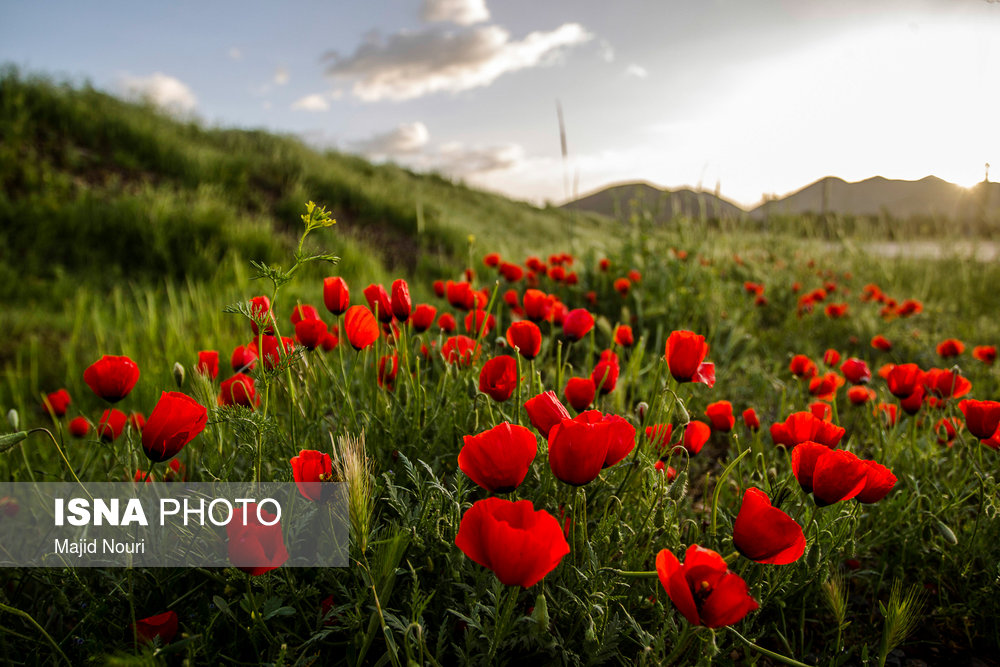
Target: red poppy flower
x,y
275,350
112,378
577,323
438,286
208,364
162,625
388,368
982,418
831,357
578,448
400,302
336,295
310,333
835,310
803,367
517,543
604,264
753,288
111,425
176,472
860,395
579,393
244,358
910,307
879,481
605,375
447,323
824,387
856,371
685,354
310,469
985,353
802,427
952,347
478,321
498,378
764,533
260,307
904,379
175,421
881,343
459,294
545,411
947,428
635,276
526,338
378,302
751,420
498,459
622,438
703,589
137,421
946,384
623,335
79,427
254,546
537,305
622,286
511,272
303,312
492,259
57,402
239,390
670,472
460,350
361,327
821,410
696,434
911,404
720,414
831,475
422,317
659,434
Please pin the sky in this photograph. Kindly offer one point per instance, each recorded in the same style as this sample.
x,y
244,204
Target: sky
x,y
744,97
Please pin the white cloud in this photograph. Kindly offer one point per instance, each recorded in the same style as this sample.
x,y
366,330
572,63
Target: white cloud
x,y
281,76
162,90
462,12
412,64
314,102
235,54
637,71
404,139
409,145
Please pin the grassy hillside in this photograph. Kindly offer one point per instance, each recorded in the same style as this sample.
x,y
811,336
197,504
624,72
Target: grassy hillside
x,y
89,180
101,197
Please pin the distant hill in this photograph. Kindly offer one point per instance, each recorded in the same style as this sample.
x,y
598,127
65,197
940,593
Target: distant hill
x,y
928,197
622,201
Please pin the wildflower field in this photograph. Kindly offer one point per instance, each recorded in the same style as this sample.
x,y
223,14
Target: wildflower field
x,y
617,443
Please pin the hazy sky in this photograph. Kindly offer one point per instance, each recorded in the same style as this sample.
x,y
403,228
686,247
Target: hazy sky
x,y
749,96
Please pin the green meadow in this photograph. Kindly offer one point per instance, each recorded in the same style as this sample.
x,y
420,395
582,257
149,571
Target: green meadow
x,y
126,232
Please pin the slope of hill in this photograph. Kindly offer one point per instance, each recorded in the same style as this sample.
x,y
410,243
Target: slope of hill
x,y
98,189
627,199
928,197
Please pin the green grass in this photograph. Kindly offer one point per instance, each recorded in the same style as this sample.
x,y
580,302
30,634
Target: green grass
x,y
410,594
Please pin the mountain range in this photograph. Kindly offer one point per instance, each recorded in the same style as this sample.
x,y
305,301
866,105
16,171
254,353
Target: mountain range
x,y
929,197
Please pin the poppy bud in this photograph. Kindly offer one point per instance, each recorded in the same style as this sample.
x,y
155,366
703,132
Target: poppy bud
x,y
178,372
13,419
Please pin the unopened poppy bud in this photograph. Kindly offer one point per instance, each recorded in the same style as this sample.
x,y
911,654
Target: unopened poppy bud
x,y
541,613
641,410
501,342
8,440
684,417
178,374
13,419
